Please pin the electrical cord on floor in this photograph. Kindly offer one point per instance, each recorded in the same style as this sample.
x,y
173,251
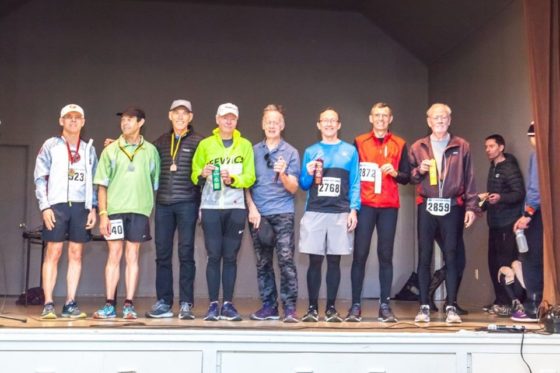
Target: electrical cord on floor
x,y
521,350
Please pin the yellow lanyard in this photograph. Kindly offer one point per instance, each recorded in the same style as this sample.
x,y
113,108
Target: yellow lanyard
x,y
128,155
174,149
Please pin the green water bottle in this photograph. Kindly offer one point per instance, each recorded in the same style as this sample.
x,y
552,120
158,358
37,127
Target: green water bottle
x,y
216,178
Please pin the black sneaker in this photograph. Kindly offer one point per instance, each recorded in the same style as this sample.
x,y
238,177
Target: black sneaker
x,y
386,314
354,313
73,311
331,315
312,315
229,312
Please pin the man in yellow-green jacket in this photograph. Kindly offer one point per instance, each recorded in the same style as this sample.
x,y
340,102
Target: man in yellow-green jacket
x,y
223,165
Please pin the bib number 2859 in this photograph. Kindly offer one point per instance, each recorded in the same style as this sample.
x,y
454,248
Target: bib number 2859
x,y
438,206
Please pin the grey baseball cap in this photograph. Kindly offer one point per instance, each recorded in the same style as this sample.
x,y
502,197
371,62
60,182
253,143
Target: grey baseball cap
x,y
178,103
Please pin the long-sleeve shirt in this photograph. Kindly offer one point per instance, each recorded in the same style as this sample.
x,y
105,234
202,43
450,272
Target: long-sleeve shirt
x,y
533,196
340,190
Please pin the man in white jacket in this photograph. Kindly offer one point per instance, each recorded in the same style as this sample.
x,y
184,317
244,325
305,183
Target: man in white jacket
x,y
63,177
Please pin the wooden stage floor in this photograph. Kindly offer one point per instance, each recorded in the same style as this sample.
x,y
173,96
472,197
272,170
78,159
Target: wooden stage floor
x,y
28,317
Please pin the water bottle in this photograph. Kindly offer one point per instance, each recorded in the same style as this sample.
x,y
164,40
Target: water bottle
x,y
318,176
521,240
216,178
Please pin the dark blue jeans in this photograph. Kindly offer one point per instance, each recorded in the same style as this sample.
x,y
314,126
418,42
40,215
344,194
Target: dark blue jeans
x,y
182,217
385,220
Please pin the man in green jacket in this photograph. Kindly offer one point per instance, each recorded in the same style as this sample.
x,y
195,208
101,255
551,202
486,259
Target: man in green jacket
x,y
223,165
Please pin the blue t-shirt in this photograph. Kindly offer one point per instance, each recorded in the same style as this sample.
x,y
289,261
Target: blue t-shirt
x,y
340,190
269,195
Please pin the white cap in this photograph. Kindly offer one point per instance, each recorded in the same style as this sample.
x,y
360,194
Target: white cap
x,y
71,108
228,108
178,103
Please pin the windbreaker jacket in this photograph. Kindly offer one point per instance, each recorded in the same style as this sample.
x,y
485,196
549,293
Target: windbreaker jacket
x,y
390,150
177,186
238,159
51,173
458,182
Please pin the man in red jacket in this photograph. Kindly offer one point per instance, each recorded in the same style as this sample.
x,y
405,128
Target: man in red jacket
x,y
383,165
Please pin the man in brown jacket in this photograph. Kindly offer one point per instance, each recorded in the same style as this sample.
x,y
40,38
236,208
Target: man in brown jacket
x,y
441,167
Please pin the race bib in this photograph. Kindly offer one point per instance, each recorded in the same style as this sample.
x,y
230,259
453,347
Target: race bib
x,y
371,172
438,206
233,168
76,175
329,188
117,230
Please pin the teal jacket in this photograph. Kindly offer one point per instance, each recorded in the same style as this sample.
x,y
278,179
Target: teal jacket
x,y
238,159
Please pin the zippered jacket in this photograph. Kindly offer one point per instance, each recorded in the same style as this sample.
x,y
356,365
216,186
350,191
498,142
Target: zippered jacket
x,y
177,186
392,149
506,179
51,174
458,173
238,159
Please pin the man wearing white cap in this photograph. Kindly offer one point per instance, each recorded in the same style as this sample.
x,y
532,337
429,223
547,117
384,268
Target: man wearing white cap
x,y
63,177
177,203
223,165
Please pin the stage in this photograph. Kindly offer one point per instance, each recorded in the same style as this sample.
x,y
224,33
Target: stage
x,y
172,345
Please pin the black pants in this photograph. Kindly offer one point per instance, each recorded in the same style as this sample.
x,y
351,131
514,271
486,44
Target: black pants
x,y
502,251
314,278
182,217
448,227
385,219
223,231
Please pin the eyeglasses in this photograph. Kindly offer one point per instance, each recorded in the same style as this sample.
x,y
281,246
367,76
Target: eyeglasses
x,y
269,160
329,121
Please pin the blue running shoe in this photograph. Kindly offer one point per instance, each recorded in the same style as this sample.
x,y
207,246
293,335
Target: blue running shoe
x,y
290,315
213,313
73,311
229,312
266,313
107,312
128,312
160,310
